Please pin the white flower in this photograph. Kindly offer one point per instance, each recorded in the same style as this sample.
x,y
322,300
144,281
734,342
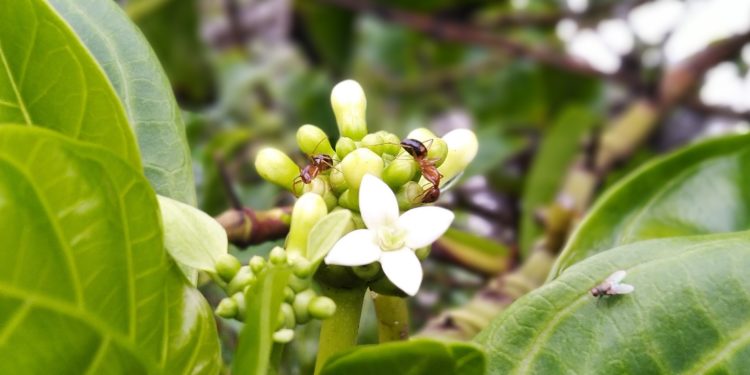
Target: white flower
x,y
390,238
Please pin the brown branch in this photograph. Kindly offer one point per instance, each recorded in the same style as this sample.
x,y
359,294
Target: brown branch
x,y
465,33
247,227
697,105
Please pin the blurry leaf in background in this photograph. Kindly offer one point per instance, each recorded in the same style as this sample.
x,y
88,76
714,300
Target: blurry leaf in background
x,y
49,79
700,189
477,253
687,314
556,153
134,71
89,287
416,356
330,30
171,26
225,145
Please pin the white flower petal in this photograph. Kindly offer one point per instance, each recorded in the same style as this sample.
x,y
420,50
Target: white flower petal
x,y
402,267
424,225
354,249
377,203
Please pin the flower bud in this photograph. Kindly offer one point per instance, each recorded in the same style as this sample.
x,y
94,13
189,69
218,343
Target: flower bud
x,y
289,319
277,256
321,307
242,279
288,294
227,266
344,146
391,143
350,105
409,196
399,172
239,300
301,303
374,143
299,284
437,150
462,148
312,140
308,210
337,181
367,272
349,199
421,134
275,166
283,336
301,267
257,263
359,163
227,308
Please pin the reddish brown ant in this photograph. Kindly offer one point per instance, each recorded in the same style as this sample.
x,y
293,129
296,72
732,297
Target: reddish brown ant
x,y
418,151
318,163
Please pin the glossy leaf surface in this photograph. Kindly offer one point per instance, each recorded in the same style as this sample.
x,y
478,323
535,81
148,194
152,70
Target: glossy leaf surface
x,y
49,79
687,315
143,88
85,283
702,189
419,356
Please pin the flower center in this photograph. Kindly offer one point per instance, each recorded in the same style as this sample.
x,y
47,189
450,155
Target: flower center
x,y
391,237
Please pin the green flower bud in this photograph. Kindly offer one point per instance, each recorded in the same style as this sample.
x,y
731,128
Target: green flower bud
x,y
391,143
409,196
289,319
462,148
437,150
283,336
423,252
312,140
227,266
257,263
367,272
239,300
308,210
384,286
321,307
421,134
277,256
299,284
280,320
344,146
399,172
288,294
337,181
227,308
349,199
301,267
359,163
350,105
318,186
374,142
242,279
301,303
275,166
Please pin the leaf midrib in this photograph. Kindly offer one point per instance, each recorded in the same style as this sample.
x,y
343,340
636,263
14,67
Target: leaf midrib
x,y
21,105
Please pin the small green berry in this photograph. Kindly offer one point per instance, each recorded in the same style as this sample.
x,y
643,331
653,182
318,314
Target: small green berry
x,y
243,278
374,143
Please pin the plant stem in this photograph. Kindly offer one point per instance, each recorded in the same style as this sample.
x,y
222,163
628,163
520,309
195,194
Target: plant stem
x,y
339,332
393,317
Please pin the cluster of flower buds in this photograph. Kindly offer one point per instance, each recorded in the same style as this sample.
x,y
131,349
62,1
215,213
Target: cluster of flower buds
x,y
301,301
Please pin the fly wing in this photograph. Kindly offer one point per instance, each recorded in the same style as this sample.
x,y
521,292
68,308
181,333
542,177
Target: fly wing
x,y
616,277
621,289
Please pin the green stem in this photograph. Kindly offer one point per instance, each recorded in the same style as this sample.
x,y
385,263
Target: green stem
x,y
274,363
393,317
339,332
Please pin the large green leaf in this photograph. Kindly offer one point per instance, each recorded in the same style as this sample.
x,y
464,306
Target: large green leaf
x,y
701,189
556,154
85,283
688,314
145,92
47,78
417,357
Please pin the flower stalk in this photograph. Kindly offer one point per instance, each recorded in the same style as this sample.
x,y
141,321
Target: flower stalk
x,y
340,331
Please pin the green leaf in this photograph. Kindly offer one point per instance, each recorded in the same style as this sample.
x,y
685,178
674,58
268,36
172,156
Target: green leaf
x,y
687,315
143,88
325,233
418,356
698,190
551,164
85,283
481,253
48,78
191,237
256,339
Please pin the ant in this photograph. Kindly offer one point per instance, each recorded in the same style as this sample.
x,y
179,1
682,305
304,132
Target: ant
x,y
418,151
318,163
